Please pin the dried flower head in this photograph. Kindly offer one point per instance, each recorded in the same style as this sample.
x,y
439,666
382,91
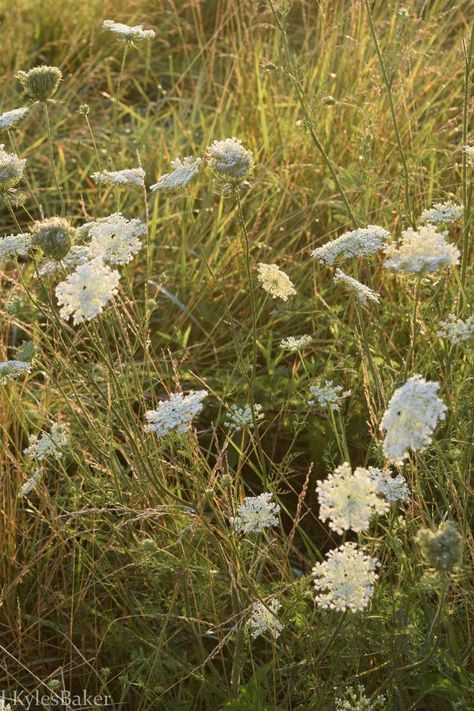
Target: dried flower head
x,y
359,242
54,236
132,177
176,413
442,549
11,169
345,580
183,172
424,250
264,620
360,291
328,395
393,488
295,343
14,245
40,83
114,238
229,158
455,329
256,514
11,369
241,417
275,281
12,118
442,213
87,290
49,445
128,33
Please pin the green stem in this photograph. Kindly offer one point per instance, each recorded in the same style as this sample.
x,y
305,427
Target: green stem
x,y
51,157
116,101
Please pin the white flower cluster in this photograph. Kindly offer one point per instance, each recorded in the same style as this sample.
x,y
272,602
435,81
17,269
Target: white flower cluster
x,y
9,119
31,484
78,254
442,213
356,700
14,245
328,395
393,488
410,418
345,580
229,158
127,32
294,344
183,172
263,619
455,329
114,238
275,281
133,176
49,444
176,413
360,291
469,152
241,417
86,291
349,499
424,250
256,514
11,169
11,369
363,241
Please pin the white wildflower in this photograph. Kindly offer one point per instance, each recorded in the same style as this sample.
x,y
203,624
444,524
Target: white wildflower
x,y
229,158
183,172
11,169
114,238
469,151
14,245
241,417
425,250
442,213
410,418
328,395
455,329
256,514
275,281
176,413
349,499
9,119
295,343
393,488
134,33
31,484
133,177
87,290
345,580
359,242
49,444
78,254
263,619
360,291
356,700
11,369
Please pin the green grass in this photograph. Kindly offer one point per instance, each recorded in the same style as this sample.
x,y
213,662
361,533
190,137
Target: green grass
x,y
120,573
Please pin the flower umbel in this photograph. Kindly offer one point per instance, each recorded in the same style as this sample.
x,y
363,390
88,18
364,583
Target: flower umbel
x,y
114,238
356,700
241,417
54,236
360,291
184,171
256,514
12,118
425,250
229,158
442,213
357,243
40,83
128,33
176,413
263,619
393,488
14,245
11,169
11,369
295,343
328,395
442,549
455,329
87,290
134,177
48,445
275,281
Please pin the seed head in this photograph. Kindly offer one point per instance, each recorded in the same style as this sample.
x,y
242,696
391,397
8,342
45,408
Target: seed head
x,y
11,169
40,83
442,549
54,236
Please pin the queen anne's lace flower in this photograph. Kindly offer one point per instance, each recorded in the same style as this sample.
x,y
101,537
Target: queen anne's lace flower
x,y
133,176
134,33
275,281
410,418
87,290
363,241
9,119
294,344
361,292
442,213
29,485
229,158
455,329
425,250
349,499
356,700
14,245
183,172
469,152
11,369
345,580
11,169
263,619
256,514
328,395
49,444
78,254
241,417
393,488
114,238
176,413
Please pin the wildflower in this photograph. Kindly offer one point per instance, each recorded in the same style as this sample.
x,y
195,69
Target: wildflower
x,y
40,83
345,580
356,700
176,413
294,344
328,395
183,172
241,417
456,330
10,119
469,152
361,292
410,418
31,484
114,238
87,290
78,254
425,250
256,514
48,445
229,158
349,499
128,33
362,241
263,619
442,549
11,369
275,281
14,245
54,236
393,488
11,169
132,177
442,213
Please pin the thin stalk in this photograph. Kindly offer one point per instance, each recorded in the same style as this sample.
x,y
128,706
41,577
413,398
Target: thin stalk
x,y
466,183
116,100
51,158
12,214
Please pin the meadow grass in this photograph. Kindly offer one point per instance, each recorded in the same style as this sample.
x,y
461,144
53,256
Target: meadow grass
x,y
121,571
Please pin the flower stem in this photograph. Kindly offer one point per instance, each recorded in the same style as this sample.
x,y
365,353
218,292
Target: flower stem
x,y
51,157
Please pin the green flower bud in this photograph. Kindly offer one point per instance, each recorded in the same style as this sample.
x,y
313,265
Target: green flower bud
x,y
40,83
442,549
226,480
84,109
54,236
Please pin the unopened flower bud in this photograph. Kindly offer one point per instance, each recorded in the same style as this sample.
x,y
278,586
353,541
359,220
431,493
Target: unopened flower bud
x,y
54,236
40,83
84,109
